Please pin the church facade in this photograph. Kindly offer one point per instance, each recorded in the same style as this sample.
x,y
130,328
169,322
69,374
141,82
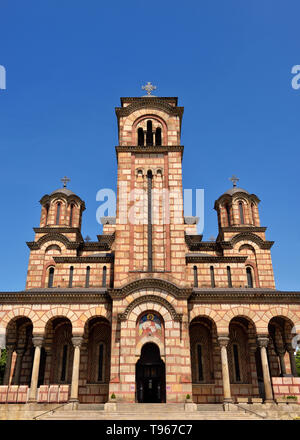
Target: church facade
x,y
149,312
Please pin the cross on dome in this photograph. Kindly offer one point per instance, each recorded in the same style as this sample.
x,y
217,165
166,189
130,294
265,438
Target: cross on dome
x,y
234,180
65,180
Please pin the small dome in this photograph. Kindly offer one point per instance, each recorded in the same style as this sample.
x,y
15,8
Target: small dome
x,y
65,191
234,190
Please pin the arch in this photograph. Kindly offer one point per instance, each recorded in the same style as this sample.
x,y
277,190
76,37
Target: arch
x,y
59,312
154,117
95,312
53,236
241,312
53,247
152,283
146,340
151,299
251,237
17,313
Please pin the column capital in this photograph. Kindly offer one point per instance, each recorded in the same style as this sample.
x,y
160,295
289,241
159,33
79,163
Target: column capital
x,y
223,340
37,340
263,341
77,341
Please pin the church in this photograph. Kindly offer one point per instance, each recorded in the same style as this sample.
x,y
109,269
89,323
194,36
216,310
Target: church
x,y
149,313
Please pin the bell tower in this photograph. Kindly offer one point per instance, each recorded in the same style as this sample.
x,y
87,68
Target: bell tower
x,y
149,220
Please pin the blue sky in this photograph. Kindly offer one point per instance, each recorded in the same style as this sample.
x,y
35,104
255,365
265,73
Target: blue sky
x,y
69,62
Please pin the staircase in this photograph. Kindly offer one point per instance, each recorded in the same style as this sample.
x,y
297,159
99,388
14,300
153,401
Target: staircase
x,y
150,411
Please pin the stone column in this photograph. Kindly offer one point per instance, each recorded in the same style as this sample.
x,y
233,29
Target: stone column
x,y
9,354
77,341
263,343
281,354
37,342
291,350
223,341
20,352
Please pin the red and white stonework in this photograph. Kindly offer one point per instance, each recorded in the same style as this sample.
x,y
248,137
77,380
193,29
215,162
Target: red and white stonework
x,y
149,313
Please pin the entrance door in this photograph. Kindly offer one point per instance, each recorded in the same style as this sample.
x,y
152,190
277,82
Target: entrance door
x,y
150,376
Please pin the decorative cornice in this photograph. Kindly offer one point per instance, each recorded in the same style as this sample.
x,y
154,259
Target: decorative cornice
x,y
251,237
103,244
85,259
53,236
244,296
150,298
106,239
195,244
243,229
150,283
56,296
149,149
59,229
214,259
148,103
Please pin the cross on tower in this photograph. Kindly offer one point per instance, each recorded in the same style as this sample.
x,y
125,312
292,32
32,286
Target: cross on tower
x,y
65,180
234,180
149,87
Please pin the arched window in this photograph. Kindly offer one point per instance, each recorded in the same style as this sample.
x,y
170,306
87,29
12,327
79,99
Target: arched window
x,y
71,214
212,276
229,276
104,277
71,276
228,214
249,277
236,363
141,137
46,214
149,134
195,276
51,277
242,221
253,213
58,213
199,363
87,277
158,136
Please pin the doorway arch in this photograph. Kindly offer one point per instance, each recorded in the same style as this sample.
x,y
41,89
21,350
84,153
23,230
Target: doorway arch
x,y
150,373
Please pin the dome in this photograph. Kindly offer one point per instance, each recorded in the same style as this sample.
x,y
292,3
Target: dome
x,y
65,191
234,190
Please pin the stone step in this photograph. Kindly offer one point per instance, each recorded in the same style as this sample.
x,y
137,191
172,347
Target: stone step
x,y
210,407
91,415
150,407
91,407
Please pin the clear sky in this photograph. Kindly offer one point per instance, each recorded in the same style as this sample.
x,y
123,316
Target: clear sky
x,y
68,62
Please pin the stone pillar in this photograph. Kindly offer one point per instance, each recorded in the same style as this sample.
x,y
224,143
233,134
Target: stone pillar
x,y
281,354
290,350
263,343
9,355
37,342
223,341
77,341
20,352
